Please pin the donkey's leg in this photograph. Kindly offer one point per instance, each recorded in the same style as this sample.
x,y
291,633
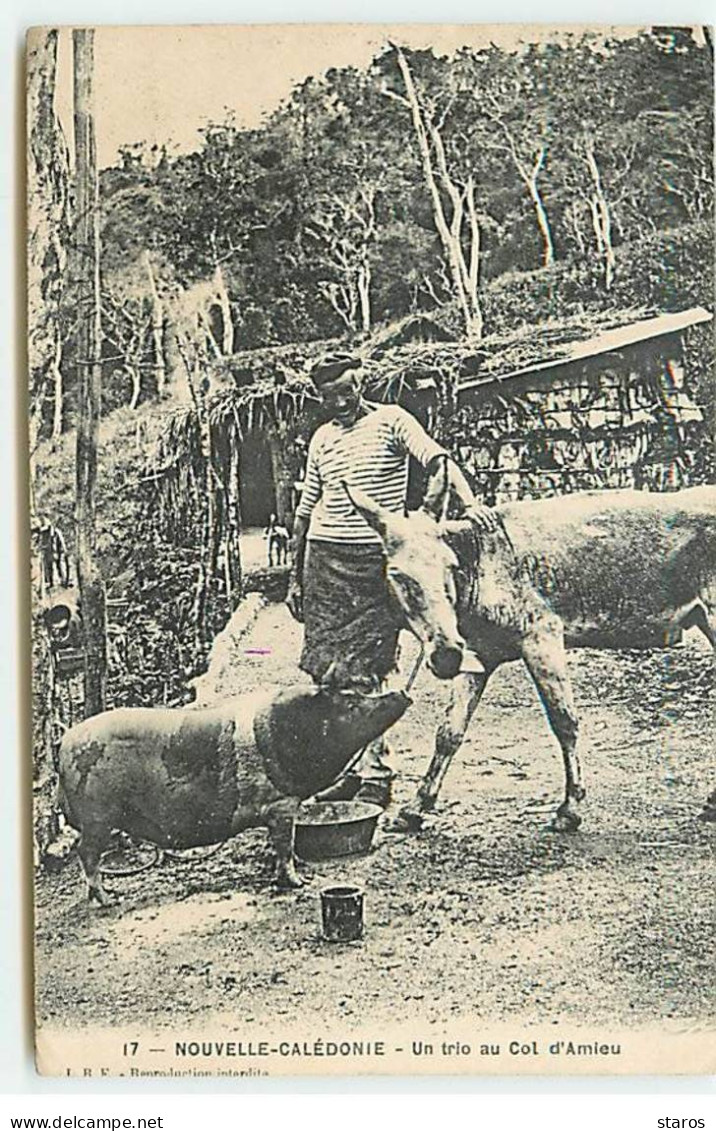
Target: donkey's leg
x,y
547,662
703,616
466,692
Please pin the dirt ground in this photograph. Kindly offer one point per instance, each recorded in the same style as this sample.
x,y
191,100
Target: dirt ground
x,y
486,913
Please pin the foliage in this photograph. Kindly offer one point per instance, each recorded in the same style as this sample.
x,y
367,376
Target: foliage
x,y
587,157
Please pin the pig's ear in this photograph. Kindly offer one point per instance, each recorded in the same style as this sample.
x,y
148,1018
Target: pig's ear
x,y
437,489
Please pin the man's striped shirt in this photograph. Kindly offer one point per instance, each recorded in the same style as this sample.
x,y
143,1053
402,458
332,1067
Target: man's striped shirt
x,y
371,454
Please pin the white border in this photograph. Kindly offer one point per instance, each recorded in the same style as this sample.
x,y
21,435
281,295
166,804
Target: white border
x,y
17,1073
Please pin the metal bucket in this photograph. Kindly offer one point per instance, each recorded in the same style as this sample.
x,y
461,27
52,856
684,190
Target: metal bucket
x,y
342,914
325,829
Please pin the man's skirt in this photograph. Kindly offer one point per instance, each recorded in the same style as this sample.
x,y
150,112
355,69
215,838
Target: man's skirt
x,y
350,623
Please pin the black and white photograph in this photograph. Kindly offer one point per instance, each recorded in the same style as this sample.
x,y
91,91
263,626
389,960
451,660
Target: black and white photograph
x,y
373,549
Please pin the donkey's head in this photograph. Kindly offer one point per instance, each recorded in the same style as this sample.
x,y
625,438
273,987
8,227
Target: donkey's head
x,y
421,570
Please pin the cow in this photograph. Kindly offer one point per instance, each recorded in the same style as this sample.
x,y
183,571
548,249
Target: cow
x,y
604,569
188,777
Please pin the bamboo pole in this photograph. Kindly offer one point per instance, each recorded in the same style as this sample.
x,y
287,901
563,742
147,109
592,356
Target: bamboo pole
x,y
90,374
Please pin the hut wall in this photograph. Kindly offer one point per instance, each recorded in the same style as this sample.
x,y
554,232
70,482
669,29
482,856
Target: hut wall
x,y
618,420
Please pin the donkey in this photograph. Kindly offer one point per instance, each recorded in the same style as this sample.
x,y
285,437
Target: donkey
x,y
606,569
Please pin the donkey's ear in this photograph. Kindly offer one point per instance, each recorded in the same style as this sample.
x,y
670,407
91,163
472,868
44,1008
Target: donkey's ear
x,y
371,511
437,489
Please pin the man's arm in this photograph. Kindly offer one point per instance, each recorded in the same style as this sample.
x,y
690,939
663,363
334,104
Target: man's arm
x,y
475,511
294,597
425,450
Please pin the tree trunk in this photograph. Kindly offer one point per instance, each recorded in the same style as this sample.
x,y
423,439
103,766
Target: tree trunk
x,y
203,320
227,325
530,178
283,469
450,234
474,329
48,228
157,323
57,392
601,216
90,376
176,375
207,541
44,781
189,351
134,374
544,228
364,281
232,545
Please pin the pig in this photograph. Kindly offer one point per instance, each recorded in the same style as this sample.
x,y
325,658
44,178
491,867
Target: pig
x,y
189,777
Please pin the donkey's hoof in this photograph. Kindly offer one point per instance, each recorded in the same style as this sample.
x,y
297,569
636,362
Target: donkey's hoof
x,y
565,821
406,821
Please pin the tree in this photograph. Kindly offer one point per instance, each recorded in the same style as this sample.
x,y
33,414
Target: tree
x,y
510,91
48,234
453,202
615,104
413,184
90,380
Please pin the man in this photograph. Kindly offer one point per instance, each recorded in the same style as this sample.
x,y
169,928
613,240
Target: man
x,y
338,586
277,542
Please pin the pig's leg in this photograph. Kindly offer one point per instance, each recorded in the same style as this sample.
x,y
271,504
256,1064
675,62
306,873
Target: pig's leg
x,y
92,844
281,819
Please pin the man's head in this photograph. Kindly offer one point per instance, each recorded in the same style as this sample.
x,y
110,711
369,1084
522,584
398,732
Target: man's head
x,y
338,381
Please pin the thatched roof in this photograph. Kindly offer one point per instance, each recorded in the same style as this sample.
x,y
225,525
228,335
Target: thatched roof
x,y
609,338
393,360
271,388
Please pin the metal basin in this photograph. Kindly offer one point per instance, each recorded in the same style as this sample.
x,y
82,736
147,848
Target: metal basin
x,y
335,828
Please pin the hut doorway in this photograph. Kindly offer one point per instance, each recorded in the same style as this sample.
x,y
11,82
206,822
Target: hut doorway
x,y
257,488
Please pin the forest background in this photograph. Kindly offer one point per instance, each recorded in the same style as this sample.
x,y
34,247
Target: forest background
x,y
493,189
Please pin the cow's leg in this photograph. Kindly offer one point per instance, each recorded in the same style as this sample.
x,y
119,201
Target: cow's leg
x,y
280,818
547,662
92,844
466,693
546,659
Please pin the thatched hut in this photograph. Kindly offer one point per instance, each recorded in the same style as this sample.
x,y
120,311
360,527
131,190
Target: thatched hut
x,y
588,403
572,405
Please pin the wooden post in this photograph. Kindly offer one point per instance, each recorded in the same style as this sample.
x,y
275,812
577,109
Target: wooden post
x,y
282,450
90,374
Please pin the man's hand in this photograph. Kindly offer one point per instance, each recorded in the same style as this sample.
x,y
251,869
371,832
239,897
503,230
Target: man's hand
x,y
294,598
481,517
